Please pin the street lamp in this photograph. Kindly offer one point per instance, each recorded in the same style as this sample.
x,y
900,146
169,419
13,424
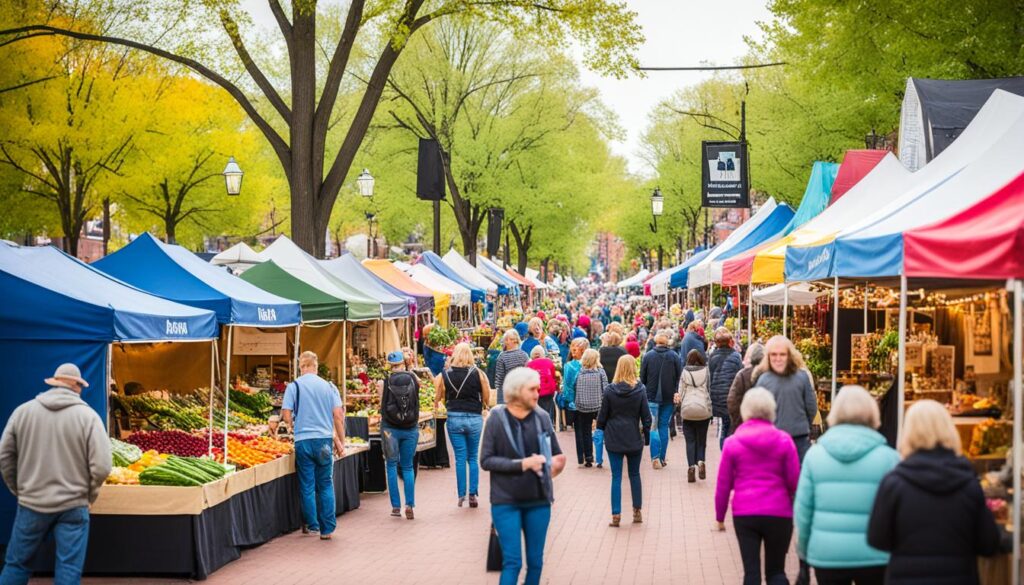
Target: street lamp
x,y
657,207
371,240
365,182
233,177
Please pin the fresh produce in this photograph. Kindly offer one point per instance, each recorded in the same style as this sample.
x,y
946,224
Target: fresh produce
x,y
123,453
172,442
148,459
242,454
183,471
256,405
123,476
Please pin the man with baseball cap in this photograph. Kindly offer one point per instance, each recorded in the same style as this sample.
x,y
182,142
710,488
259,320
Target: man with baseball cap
x,y
54,456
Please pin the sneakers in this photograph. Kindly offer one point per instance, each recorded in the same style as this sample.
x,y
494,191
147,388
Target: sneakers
x,y
588,464
308,530
600,466
691,474
638,518
701,472
473,503
396,512
408,513
656,463
616,518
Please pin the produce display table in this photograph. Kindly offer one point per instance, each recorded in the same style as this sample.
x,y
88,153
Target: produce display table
x,y
193,531
437,456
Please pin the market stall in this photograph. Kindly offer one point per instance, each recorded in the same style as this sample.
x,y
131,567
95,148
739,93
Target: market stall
x,y
237,258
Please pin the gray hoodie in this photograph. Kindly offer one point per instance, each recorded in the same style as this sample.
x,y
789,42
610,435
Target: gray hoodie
x,y
796,403
54,454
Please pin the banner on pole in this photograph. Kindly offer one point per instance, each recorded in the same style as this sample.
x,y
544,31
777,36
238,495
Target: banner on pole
x,y
724,174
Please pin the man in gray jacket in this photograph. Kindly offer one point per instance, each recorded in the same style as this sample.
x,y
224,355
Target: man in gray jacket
x,y
54,456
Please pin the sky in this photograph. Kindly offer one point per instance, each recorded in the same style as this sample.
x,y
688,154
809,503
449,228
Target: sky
x,y
680,33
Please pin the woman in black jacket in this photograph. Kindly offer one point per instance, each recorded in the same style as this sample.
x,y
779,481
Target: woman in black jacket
x,y
929,511
723,365
610,352
623,409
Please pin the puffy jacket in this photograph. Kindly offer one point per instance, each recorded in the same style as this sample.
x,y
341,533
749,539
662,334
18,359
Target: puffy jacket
x,y
659,373
930,513
692,340
623,411
838,481
569,374
740,384
610,355
693,386
723,365
760,468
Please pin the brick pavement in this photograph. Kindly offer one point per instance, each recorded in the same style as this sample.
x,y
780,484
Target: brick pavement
x,y
447,545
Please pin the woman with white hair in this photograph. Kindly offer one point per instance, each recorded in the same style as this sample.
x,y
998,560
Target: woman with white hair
x,y
759,469
838,482
508,360
930,511
520,449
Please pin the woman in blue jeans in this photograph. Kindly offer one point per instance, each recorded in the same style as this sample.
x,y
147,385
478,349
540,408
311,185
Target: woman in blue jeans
x,y
400,432
624,409
463,388
520,449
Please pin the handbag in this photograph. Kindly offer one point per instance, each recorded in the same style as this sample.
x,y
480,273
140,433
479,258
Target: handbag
x,y
494,557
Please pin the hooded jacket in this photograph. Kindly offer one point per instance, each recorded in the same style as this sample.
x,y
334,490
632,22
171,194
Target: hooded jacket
x,y
723,365
930,513
760,468
624,410
692,340
54,454
838,481
659,373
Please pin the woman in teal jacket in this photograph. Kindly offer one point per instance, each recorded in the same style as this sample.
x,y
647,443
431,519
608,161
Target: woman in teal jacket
x,y
838,482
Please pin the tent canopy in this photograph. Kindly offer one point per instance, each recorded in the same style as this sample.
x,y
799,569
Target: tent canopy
x,y
701,273
316,304
936,111
671,277
347,269
470,274
293,259
522,280
435,263
426,299
492,270
856,165
238,257
735,266
459,295
534,277
800,294
635,280
174,273
984,241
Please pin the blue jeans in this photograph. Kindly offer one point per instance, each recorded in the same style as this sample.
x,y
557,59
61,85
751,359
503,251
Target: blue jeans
x,y
464,430
514,522
724,431
314,462
70,529
399,449
599,446
662,415
635,489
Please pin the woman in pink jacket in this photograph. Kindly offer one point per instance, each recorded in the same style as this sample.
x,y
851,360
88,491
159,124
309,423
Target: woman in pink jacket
x,y
760,469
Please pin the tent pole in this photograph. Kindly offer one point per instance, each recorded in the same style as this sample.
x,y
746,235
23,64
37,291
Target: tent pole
x,y
344,365
785,309
295,350
902,363
866,294
110,376
213,382
750,314
835,334
1018,414
227,391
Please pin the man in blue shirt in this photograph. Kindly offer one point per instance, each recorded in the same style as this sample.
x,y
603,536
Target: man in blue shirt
x,y
312,407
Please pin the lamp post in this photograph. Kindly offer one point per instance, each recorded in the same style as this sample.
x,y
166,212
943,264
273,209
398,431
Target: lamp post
x,y
657,207
233,177
365,183
371,239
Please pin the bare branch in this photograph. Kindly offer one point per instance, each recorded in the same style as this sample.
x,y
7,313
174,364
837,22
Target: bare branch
x,y
231,28
282,22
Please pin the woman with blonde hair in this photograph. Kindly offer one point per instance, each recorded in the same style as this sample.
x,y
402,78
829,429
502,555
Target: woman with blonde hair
x,y
783,373
930,511
838,482
464,390
536,336
587,388
623,411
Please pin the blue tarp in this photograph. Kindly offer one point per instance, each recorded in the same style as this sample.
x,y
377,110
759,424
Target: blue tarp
x,y
174,273
349,270
434,262
772,226
56,309
681,273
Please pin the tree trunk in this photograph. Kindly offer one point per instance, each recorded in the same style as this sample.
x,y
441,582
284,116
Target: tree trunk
x,y
523,243
306,226
171,227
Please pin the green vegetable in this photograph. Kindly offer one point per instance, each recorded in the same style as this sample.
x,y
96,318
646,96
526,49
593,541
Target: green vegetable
x,y
165,475
124,454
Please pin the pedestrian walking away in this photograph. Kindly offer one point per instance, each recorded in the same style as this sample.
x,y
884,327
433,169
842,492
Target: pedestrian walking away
x,y
312,407
660,369
520,450
466,392
838,482
625,420
760,470
742,382
400,433
723,366
588,388
54,457
508,360
695,408
545,368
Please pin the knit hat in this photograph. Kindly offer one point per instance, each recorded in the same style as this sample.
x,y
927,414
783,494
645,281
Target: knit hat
x,y
583,322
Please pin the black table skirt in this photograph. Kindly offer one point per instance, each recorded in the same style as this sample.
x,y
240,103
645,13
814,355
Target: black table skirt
x,y
437,457
197,545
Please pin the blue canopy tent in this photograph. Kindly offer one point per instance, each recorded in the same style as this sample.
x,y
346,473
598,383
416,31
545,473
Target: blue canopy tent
x,y
174,273
435,263
57,309
496,274
680,276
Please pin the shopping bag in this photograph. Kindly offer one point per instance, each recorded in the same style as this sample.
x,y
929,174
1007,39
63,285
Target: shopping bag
x,y
494,558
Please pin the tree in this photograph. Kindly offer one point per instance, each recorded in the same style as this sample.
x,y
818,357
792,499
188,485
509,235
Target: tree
x,y
296,109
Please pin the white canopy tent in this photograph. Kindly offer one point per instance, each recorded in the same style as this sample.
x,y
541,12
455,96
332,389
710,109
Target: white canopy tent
x,y
468,272
570,284
237,258
635,280
534,277
800,294
708,270
460,295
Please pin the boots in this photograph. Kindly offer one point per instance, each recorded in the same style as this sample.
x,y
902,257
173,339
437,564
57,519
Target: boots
x,y
638,518
616,518
691,474
701,471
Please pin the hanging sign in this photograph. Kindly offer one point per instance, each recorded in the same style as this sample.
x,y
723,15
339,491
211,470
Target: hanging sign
x,y
724,174
248,341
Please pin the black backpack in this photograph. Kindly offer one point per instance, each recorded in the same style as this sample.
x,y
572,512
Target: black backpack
x,y
401,408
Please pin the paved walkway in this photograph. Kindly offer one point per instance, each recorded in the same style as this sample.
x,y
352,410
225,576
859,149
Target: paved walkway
x,y
447,545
